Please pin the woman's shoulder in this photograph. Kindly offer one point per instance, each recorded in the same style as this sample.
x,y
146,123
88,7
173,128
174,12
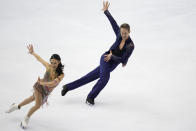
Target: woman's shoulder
x,y
48,68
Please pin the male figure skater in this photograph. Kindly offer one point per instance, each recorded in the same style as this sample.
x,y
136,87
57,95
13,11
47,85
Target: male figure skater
x,y
119,52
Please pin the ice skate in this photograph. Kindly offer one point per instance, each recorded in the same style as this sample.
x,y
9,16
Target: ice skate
x,y
24,123
12,108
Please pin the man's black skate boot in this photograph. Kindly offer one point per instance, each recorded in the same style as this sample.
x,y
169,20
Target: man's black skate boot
x,y
90,101
64,90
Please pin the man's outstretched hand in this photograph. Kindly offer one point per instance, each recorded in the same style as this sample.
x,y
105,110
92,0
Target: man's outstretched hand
x,y
123,65
105,5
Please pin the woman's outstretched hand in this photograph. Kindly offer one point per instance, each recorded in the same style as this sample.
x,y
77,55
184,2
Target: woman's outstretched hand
x,y
105,5
30,48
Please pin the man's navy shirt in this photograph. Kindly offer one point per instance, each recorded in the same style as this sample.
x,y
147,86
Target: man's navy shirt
x,y
128,47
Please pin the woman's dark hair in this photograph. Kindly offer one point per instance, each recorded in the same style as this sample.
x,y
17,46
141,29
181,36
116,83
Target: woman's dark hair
x,y
59,69
125,26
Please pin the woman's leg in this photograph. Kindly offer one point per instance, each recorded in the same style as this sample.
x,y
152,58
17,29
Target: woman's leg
x,y
27,101
38,102
14,106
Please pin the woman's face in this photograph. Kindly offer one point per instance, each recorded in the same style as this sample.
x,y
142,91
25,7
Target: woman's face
x,y
54,63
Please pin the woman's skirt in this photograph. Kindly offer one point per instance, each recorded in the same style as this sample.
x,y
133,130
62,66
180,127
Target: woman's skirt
x,y
43,90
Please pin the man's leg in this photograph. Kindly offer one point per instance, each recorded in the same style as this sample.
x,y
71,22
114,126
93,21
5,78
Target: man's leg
x,y
91,76
105,69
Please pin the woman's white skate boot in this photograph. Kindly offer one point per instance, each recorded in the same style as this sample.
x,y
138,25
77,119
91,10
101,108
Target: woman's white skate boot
x,y
25,122
12,108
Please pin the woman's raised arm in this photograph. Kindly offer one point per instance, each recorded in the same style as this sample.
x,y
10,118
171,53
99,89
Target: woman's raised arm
x,y
31,51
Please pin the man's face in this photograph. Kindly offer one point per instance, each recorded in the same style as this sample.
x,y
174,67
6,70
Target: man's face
x,y
124,33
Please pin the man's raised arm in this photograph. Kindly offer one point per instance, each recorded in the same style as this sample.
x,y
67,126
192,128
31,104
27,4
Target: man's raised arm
x,y
111,19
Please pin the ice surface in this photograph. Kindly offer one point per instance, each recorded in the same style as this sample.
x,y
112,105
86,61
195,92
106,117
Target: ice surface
x,y
154,92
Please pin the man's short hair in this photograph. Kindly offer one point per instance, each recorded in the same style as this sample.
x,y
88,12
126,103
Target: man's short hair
x,y
125,26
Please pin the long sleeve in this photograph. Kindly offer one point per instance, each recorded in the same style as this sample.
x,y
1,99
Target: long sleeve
x,y
113,22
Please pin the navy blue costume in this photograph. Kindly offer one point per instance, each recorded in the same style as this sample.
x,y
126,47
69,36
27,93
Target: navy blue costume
x,y
103,70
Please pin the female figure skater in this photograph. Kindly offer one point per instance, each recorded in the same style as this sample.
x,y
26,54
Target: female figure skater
x,y
43,87
120,52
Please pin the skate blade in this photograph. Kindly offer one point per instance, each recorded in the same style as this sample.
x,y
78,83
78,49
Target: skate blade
x,y
89,103
22,126
8,111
